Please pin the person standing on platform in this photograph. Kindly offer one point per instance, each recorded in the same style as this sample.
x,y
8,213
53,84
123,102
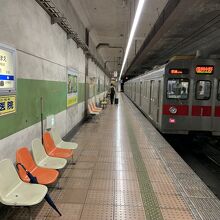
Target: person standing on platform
x,y
112,94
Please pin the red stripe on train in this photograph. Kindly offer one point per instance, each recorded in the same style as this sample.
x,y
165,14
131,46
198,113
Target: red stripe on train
x,y
217,111
201,110
181,109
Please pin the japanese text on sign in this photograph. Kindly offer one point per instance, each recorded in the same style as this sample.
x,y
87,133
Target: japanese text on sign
x,y
7,104
7,69
204,69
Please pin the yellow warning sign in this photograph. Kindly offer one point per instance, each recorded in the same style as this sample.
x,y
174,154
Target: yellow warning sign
x,y
72,100
7,104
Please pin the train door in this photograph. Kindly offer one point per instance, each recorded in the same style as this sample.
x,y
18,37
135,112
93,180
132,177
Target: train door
x,y
216,118
144,97
151,100
135,92
202,104
158,100
154,106
147,100
141,93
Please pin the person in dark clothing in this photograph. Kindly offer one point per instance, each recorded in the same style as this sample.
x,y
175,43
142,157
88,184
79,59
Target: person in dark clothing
x,y
112,94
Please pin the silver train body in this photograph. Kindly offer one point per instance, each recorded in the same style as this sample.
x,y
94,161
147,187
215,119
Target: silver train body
x,y
180,97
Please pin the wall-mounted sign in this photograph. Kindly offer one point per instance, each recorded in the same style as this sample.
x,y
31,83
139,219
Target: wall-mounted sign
x,y
7,104
72,87
205,69
7,80
7,69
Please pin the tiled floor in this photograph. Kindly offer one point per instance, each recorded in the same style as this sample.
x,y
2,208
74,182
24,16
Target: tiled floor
x,y
118,175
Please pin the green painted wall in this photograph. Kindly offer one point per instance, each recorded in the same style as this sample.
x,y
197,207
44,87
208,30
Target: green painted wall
x,y
28,103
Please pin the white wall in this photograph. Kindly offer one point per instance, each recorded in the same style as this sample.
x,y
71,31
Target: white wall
x,y
43,53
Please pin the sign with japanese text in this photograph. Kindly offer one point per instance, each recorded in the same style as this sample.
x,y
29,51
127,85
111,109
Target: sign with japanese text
x,y
205,69
7,104
72,87
7,69
178,71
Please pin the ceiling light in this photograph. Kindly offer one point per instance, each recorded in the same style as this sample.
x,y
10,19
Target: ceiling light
x,y
133,29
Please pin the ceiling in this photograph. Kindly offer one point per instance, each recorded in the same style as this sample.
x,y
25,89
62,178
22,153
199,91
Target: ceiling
x,y
110,21
166,28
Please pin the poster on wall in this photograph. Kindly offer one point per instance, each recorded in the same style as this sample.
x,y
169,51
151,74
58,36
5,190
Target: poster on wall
x,y
72,87
7,80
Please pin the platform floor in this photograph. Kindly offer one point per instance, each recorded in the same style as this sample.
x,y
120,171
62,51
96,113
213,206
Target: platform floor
x,y
125,170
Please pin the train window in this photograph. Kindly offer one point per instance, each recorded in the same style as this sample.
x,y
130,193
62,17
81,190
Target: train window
x,y
203,90
177,88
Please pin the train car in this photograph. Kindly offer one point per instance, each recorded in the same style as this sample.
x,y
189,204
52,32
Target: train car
x,y
181,96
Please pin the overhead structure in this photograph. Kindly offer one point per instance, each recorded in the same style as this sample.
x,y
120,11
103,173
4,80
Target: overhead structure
x,y
58,18
196,29
109,24
131,37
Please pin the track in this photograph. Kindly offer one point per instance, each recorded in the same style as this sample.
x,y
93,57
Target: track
x,y
202,154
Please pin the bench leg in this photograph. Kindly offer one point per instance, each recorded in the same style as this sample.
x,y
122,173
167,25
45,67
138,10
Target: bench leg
x,y
55,186
72,162
29,210
8,212
58,185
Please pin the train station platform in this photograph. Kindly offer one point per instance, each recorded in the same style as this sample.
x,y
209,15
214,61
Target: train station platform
x,y
125,170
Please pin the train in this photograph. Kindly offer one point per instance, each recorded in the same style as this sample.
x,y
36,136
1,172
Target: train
x,y
180,97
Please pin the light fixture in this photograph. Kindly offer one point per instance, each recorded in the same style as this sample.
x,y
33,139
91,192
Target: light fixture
x,y
133,29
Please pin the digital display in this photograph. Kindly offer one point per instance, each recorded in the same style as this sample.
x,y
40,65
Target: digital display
x,y
178,71
205,69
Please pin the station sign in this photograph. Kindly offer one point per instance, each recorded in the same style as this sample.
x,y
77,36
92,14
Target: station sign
x,y
7,69
7,80
7,104
205,69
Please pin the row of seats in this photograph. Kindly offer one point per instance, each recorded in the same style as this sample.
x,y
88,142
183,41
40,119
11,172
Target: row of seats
x,y
93,109
47,159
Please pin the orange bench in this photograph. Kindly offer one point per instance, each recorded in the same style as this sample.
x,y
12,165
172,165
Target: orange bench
x,y
94,109
54,151
44,176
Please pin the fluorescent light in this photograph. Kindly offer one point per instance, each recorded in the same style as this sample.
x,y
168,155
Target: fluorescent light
x,y
133,29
